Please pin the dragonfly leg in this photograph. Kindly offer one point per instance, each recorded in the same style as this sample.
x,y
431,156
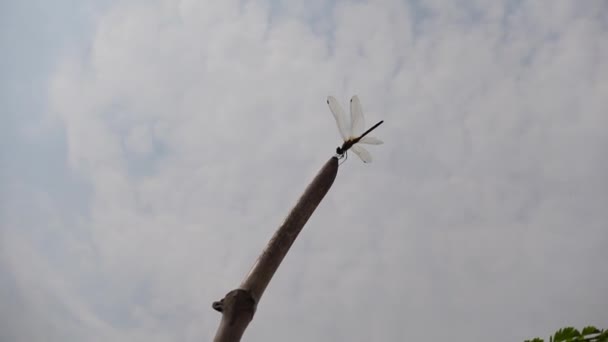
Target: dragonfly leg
x,y
343,156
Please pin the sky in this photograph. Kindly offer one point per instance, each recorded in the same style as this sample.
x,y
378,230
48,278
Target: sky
x,y
149,149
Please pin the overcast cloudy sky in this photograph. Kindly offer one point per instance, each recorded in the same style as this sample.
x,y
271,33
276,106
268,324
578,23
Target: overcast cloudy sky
x,y
149,149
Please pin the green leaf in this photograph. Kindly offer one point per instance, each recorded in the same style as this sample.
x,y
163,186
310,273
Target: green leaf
x,y
590,330
603,336
566,334
570,334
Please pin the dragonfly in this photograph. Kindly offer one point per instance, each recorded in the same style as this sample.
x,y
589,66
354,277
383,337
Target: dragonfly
x,y
353,136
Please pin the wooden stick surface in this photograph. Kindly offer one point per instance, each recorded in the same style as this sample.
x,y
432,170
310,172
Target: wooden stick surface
x,y
238,306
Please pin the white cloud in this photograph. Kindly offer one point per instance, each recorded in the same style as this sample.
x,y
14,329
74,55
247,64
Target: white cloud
x,y
198,124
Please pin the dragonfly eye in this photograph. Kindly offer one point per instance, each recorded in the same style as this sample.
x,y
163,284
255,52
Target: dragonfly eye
x,y
338,150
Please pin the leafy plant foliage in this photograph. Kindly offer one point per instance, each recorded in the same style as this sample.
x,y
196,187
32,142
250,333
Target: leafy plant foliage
x,y
570,334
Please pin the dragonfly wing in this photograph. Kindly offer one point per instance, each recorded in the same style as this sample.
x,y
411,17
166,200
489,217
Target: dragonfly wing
x,y
340,117
356,117
362,153
371,141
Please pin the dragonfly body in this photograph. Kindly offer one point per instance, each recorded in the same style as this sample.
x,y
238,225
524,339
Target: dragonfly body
x,y
349,143
351,135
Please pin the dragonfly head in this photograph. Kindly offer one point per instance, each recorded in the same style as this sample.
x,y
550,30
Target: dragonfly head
x,y
339,150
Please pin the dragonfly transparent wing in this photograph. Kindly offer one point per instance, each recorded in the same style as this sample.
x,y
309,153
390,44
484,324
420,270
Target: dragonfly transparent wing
x,y
340,117
362,153
371,141
356,117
